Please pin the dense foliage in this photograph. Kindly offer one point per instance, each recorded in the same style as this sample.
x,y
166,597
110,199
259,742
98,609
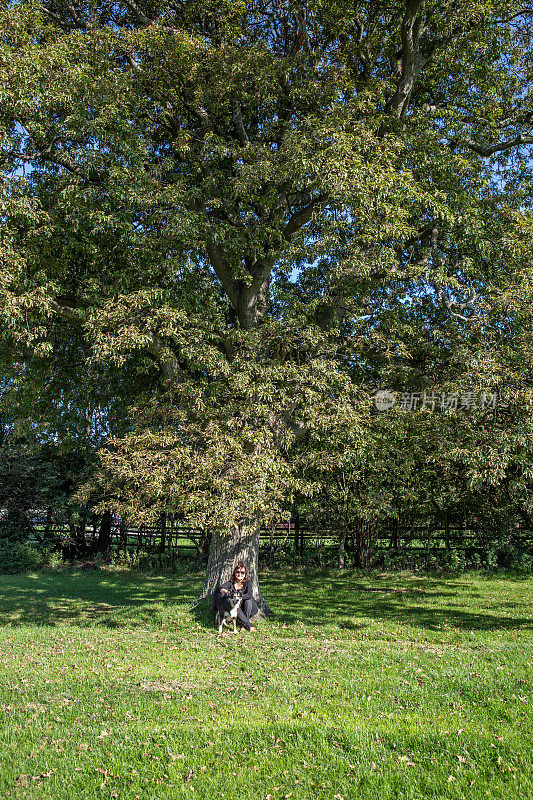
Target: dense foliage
x,y
226,224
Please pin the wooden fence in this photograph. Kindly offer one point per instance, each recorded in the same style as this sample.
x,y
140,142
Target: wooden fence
x,y
295,537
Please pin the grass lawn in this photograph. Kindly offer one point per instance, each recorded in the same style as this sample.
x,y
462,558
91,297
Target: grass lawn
x,y
386,686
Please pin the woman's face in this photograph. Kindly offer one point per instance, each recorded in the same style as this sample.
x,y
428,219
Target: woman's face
x,y
240,574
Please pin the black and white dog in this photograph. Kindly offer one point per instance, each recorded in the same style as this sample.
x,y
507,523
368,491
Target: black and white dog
x,y
227,607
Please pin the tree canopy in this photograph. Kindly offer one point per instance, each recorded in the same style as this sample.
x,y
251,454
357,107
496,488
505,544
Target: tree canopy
x,y
256,213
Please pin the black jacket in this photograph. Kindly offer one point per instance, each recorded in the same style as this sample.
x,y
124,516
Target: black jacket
x,y
246,589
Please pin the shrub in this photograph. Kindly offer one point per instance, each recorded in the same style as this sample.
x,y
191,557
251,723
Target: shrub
x,y
514,558
492,558
21,556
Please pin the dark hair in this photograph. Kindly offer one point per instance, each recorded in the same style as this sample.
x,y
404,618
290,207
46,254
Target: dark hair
x,y
240,566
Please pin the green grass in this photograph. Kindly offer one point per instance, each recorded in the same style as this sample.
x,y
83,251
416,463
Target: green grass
x,y
386,686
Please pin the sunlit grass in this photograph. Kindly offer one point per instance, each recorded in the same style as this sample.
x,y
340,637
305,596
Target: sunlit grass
x,y
389,686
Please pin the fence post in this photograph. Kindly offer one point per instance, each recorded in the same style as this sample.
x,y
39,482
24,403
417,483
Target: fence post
x,y
428,547
172,544
296,517
162,543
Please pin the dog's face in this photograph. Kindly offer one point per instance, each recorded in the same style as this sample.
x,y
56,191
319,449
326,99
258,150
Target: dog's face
x,y
234,598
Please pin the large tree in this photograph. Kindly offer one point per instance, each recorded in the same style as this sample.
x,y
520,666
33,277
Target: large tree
x,y
242,200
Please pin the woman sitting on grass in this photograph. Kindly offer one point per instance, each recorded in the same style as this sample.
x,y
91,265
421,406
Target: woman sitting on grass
x,y
241,582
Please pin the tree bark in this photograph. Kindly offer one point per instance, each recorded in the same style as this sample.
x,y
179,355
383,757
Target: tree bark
x,y
229,548
104,534
48,524
123,534
342,550
447,532
364,534
394,539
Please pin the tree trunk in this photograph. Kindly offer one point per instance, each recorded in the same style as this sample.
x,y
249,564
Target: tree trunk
x,y
394,539
77,545
123,534
229,548
104,534
204,545
364,534
342,551
48,524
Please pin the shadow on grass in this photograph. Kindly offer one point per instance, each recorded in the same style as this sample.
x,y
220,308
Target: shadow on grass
x,y
423,602
116,599
110,599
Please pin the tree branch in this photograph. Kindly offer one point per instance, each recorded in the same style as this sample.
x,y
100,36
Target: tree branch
x,y
238,124
453,304
302,37
46,152
222,270
63,21
486,150
143,19
300,218
397,105
165,358
66,312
